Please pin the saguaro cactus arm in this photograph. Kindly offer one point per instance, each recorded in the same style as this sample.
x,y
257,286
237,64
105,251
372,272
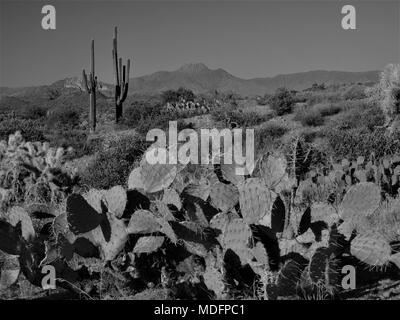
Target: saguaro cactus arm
x,y
85,82
121,77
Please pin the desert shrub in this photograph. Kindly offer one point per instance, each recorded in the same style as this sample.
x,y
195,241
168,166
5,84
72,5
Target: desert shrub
x,y
242,118
365,116
170,96
264,100
246,118
326,96
32,130
32,112
282,101
363,104
355,92
321,97
177,95
273,130
327,109
67,117
309,134
316,87
112,166
139,111
267,135
186,94
145,119
77,139
309,117
361,142
301,97
312,119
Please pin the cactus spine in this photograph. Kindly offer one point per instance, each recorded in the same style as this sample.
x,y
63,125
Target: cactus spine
x,y
91,87
121,79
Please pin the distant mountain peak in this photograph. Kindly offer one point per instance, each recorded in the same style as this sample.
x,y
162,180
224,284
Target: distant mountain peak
x,y
193,67
201,79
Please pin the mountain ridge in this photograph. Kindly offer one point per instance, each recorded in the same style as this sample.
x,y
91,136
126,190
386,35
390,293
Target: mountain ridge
x,y
199,78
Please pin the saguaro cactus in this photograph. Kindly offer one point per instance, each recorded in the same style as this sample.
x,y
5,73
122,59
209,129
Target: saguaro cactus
x,y
121,79
91,87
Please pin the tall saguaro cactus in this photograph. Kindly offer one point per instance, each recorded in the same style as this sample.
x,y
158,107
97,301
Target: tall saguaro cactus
x,y
121,79
91,87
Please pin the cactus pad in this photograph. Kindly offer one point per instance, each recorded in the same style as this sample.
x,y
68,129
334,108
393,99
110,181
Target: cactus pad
x,y
148,244
115,200
18,214
117,238
361,199
273,171
172,197
143,221
371,248
201,190
9,270
224,196
255,201
323,212
156,177
236,237
213,278
229,173
135,179
84,216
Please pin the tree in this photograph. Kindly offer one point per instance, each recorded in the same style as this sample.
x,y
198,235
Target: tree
x,y
282,101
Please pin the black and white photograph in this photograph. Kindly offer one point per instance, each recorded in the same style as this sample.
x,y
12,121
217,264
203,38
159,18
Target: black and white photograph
x,y
215,151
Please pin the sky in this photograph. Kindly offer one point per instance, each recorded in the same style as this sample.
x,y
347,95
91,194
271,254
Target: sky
x,y
249,39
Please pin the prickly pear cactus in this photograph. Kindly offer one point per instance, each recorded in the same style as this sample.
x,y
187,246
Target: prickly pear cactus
x,y
117,240
288,277
273,171
260,253
115,199
158,176
236,237
361,199
142,222
96,218
395,259
255,200
323,269
372,249
213,275
163,210
135,179
224,196
324,212
170,196
148,244
18,214
9,270
229,173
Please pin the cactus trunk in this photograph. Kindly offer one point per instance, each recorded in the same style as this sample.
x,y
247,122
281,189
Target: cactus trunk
x,y
92,97
92,115
121,79
90,86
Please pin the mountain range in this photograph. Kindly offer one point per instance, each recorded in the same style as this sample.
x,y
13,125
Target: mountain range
x,y
200,79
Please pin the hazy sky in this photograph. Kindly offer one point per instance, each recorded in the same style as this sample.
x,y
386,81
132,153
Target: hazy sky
x,y
248,39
